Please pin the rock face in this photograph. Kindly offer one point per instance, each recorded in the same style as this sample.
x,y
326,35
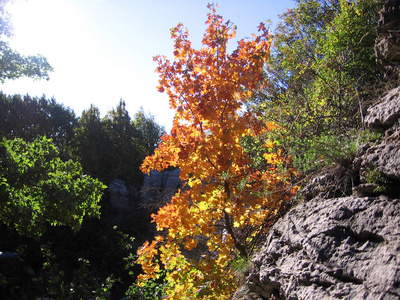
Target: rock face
x,y
385,113
344,247
387,48
340,248
159,187
122,209
121,197
130,208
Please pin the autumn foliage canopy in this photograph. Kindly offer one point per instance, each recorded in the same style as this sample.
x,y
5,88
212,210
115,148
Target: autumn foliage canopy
x,y
200,230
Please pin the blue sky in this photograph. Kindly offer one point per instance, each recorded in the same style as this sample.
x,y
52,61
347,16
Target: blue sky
x,y
102,50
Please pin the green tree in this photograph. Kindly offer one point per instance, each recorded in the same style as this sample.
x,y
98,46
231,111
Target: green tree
x,y
125,159
116,145
38,188
29,117
13,65
92,145
149,132
345,68
319,77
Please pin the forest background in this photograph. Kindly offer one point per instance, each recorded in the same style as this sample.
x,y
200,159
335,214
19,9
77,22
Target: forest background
x,y
292,103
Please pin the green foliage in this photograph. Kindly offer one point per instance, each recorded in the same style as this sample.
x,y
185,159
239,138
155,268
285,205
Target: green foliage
x,y
100,145
345,65
13,65
38,187
321,77
107,148
153,289
54,281
242,267
125,157
16,65
63,264
115,146
376,177
313,154
29,117
149,132
91,144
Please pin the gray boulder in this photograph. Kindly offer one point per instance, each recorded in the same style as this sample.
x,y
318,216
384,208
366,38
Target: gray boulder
x,y
384,117
385,158
385,113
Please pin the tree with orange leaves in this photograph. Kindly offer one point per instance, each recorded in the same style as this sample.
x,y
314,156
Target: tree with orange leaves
x,y
224,193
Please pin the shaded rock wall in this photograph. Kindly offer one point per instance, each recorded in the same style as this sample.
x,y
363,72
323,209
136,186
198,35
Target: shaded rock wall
x,y
122,197
159,187
129,207
387,48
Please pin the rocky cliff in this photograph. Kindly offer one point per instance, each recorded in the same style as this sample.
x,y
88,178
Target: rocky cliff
x,y
331,247
129,208
159,187
387,48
